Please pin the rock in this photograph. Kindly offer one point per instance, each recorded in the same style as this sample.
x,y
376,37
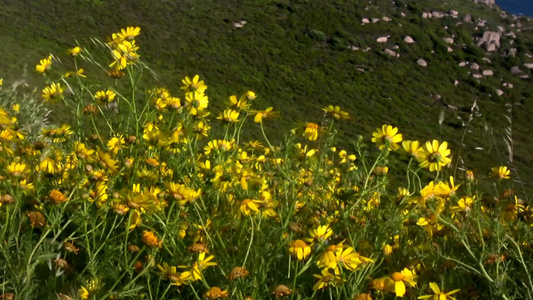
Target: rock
x,y
408,40
425,15
467,19
386,19
382,39
491,47
478,76
487,73
422,63
375,20
243,22
448,40
353,48
450,49
474,66
396,47
391,53
454,13
500,29
462,64
437,14
512,52
365,21
515,70
528,65
238,25
499,92
486,59
508,85
456,83
367,49
490,38
488,2
402,13
524,76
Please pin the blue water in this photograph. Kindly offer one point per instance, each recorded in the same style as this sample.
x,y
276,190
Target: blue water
x,y
517,7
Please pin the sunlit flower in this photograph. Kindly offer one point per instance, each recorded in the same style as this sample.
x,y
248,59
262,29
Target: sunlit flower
x,y
194,85
202,263
129,33
311,131
229,116
387,136
83,293
115,144
501,173
17,169
44,65
52,92
216,293
412,148
439,295
299,249
263,114
171,274
325,279
151,240
105,96
57,197
336,112
74,51
400,279
320,234
248,206
434,156
196,102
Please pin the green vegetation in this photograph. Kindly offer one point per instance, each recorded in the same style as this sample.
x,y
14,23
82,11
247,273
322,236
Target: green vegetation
x,y
295,55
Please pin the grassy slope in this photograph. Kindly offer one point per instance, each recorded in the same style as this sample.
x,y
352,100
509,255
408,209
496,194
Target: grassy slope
x,y
279,55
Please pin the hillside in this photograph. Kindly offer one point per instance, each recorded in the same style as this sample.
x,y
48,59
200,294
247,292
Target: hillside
x,y
300,56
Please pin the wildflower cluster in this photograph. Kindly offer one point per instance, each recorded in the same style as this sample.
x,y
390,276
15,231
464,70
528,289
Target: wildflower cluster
x,y
139,198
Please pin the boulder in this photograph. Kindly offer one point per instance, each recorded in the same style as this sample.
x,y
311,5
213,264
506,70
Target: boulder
x,y
450,49
488,2
386,19
426,15
467,19
478,76
524,76
474,66
437,14
528,65
375,20
382,39
365,21
448,40
487,73
456,82
408,40
515,70
454,13
490,38
462,64
422,62
391,53
499,92
512,52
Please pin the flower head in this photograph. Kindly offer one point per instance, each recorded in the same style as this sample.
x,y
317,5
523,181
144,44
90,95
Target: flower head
x,y
52,92
44,65
387,136
336,112
299,249
501,173
434,156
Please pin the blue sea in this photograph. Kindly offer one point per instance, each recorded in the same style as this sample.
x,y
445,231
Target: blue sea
x,y
517,7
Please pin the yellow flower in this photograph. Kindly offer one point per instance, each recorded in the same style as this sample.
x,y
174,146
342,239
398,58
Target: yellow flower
x,y
336,112
57,197
151,240
48,165
349,259
439,295
17,169
115,144
387,136
400,278
15,107
44,65
311,131
325,279
216,293
170,273
412,148
248,206
105,96
124,54
262,114
129,33
229,115
83,293
434,155
299,249
501,173
320,234
74,51
201,264
79,73
194,85
196,102
52,92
